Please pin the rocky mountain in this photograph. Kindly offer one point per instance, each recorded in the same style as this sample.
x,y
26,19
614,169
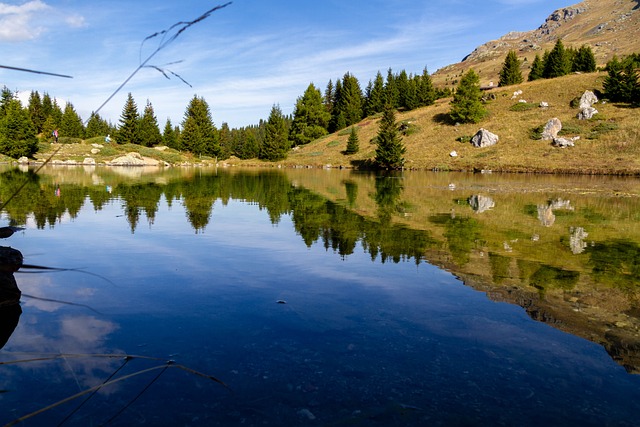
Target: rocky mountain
x,y
610,27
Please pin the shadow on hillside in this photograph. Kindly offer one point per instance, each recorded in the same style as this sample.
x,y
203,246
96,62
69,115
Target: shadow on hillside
x,y
444,118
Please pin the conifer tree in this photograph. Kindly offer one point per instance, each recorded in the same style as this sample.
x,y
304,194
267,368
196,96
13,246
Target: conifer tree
x,y
510,73
537,69
128,132
622,83
390,150
276,143
169,137
374,99
310,118
348,105
148,129
557,63
199,134
329,97
35,111
97,126
17,133
6,96
467,106
426,91
584,60
353,144
224,136
391,90
71,124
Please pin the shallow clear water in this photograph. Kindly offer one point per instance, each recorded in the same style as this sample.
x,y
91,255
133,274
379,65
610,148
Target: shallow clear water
x,y
300,334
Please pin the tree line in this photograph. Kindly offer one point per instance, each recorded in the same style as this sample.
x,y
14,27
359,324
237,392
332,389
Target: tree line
x,y
316,114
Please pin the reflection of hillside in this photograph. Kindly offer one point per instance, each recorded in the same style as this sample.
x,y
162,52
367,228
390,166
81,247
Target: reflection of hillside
x,y
579,272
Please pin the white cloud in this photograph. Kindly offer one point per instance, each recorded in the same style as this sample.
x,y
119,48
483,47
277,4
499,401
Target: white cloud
x,y
17,23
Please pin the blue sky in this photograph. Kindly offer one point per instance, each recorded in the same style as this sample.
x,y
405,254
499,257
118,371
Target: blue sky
x,y
244,58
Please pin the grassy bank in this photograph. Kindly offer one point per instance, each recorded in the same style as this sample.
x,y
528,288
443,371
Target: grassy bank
x,y
609,143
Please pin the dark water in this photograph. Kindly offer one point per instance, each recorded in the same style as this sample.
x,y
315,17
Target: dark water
x,y
323,298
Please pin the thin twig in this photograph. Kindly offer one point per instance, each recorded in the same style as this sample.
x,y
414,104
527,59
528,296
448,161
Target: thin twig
x,y
163,43
27,70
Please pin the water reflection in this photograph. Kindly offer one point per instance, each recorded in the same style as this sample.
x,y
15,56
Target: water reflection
x,y
567,252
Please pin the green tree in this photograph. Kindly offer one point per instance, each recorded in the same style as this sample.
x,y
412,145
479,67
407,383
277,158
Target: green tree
x,y
310,118
426,91
148,130
537,69
225,141
6,97
199,134
374,96
248,146
348,104
276,144
390,149
35,111
510,73
17,133
467,106
558,63
128,131
392,94
71,124
353,143
621,83
584,60
169,137
97,126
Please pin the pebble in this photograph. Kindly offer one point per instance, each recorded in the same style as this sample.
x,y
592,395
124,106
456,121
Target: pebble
x,y
305,413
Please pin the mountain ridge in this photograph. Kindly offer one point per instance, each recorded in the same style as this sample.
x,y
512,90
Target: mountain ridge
x,y
609,27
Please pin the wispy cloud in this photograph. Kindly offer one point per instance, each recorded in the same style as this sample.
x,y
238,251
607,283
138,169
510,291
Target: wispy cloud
x,y
18,23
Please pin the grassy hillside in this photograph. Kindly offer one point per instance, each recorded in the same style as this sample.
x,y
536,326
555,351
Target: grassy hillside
x,y
609,143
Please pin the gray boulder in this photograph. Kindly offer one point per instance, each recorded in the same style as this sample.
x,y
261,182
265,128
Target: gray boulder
x,y
587,99
484,138
587,113
586,105
551,129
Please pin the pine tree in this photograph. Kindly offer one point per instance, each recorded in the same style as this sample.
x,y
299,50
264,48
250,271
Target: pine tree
x,y
225,141
35,111
584,60
392,94
557,63
353,144
169,135
17,133
128,132
71,124
97,126
276,144
390,150
310,118
348,105
200,137
622,83
374,99
467,106
149,132
426,91
6,97
329,97
537,69
510,73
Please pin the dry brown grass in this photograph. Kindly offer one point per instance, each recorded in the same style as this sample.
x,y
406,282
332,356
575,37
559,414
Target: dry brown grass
x,y
428,147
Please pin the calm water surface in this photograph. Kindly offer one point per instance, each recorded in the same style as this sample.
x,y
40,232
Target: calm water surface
x,y
323,298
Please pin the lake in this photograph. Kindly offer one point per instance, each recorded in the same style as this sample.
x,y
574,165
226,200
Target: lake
x,y
203,297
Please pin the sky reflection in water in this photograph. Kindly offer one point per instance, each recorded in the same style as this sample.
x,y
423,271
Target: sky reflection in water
x,y
358,342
